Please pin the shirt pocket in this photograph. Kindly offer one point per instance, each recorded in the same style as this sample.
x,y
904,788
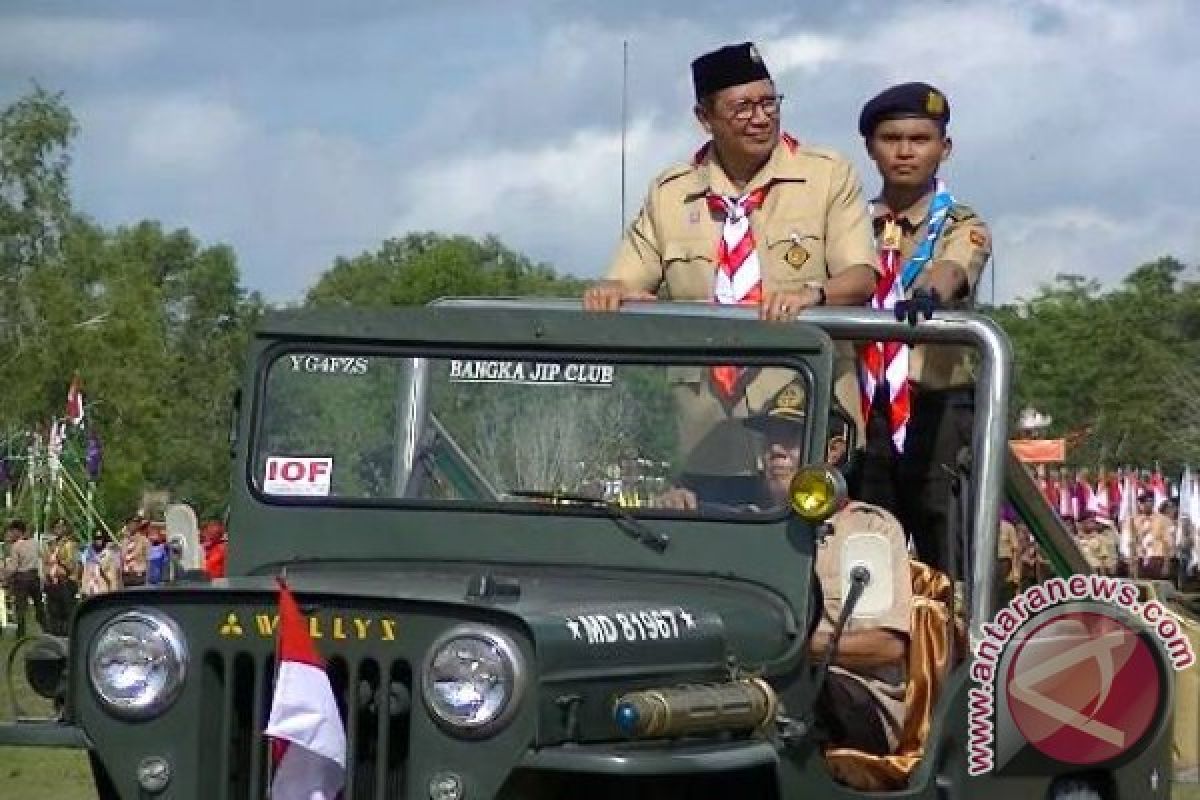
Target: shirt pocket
x,y
795,253
688,266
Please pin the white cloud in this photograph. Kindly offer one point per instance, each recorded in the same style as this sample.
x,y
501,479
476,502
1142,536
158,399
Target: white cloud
x,y
804,52
1071,127
1033,248
74,42
185,134
560,201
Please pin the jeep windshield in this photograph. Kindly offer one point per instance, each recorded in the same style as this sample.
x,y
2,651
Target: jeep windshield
x,y
499,428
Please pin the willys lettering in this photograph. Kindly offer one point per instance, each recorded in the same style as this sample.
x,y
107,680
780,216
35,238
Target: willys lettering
x,y
335,627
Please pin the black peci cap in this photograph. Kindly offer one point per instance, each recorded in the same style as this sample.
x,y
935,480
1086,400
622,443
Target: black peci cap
x,y
904,100
732,65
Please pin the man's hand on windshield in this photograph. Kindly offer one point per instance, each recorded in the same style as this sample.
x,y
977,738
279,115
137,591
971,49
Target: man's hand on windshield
x,y
678,499
608,296
784,306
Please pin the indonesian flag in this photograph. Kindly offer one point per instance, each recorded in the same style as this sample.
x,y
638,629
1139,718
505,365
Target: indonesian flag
x,y
308,744
1129,492
1158,485
75,402
1066,500
1051,491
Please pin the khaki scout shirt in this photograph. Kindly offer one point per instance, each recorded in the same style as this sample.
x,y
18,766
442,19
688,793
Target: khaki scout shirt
x,y
24,554
1009,546
813,209
965,242
813,224
886,684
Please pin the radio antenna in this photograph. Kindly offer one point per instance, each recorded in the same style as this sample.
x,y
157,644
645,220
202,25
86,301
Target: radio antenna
x,y
624,119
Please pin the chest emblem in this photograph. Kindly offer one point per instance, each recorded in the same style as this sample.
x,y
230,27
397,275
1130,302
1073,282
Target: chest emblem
x,y
796,256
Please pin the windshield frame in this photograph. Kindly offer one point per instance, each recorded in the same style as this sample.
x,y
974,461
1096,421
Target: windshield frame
x,y
278,350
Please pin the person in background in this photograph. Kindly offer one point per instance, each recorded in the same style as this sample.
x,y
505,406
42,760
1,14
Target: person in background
x,y
26,583
61,569
101,566
213,540
158,561
1008,557
1158,546
135,552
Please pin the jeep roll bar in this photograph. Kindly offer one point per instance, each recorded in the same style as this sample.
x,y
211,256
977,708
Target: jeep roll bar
x,y
989,445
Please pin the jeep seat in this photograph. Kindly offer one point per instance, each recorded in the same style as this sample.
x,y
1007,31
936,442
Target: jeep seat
x,y
929,654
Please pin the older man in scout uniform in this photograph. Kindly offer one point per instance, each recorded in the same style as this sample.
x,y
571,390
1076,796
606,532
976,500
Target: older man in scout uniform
x,y
918,401
862,700
754,218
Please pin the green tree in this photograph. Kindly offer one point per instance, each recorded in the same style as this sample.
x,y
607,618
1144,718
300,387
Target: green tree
x,y
1117,370
421,267
153,322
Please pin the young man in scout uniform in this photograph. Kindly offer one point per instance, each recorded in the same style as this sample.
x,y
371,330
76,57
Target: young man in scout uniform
x,y
754,218
932,252
25,579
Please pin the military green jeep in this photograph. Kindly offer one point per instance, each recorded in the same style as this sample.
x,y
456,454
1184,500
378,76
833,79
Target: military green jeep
x,y
463,499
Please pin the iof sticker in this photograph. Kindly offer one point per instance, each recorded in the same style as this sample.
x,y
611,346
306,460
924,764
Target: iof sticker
x,y
301,476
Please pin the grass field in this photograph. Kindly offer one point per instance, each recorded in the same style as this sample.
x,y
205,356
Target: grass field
x,y
36,773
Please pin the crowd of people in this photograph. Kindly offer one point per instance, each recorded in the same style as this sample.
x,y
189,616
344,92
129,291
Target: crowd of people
x,y
1147,545
53,574
1130,522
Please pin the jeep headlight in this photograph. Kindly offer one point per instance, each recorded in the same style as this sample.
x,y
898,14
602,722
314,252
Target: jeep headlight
x,y
137,662
473,680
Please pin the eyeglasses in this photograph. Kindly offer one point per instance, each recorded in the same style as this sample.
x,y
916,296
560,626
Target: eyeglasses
x,y
743,110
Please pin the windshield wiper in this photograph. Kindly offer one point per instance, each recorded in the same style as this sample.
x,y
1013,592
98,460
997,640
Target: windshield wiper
x,y
628,523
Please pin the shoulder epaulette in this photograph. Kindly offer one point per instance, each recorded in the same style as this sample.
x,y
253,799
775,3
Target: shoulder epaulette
x,y
960,212
671,173
820,152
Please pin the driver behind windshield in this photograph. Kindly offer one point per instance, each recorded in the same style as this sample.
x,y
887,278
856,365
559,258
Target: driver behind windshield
x,y
861,704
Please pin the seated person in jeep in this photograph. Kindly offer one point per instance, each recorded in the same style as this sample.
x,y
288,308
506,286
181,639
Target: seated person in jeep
x,y
862,700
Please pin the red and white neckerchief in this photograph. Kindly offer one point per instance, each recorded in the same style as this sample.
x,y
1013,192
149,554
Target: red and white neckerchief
x,y
738,277
888,361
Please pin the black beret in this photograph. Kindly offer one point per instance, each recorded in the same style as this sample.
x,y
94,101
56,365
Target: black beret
x,y
732,65
904,100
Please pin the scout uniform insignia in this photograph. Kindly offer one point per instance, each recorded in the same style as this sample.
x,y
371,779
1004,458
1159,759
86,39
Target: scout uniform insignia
x,y
934,103
790,398
978,239
796,255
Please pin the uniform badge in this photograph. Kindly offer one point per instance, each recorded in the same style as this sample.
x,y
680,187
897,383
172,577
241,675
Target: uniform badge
x,y
890,240
796,256
790,398
754,56
978,239
935,103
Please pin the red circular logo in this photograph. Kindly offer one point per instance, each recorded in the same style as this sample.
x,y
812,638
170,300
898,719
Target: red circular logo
x,y
1083,687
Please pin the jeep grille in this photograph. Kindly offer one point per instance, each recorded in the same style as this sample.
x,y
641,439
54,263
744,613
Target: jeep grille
x,y
374,697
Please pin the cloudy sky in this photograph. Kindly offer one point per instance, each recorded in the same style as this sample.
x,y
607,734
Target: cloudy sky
x,y
300,130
